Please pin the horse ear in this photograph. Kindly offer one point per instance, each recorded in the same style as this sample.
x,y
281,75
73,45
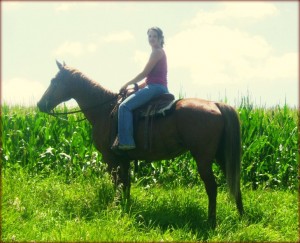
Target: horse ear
x,y
59,65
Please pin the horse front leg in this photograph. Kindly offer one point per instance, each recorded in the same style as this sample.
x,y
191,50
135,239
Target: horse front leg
x,y
121,177
239,203
125,180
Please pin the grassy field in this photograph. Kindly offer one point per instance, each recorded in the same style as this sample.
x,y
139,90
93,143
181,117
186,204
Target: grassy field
x,y
54,185
87,209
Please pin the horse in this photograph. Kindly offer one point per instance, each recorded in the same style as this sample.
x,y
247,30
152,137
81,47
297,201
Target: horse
x,y
209,130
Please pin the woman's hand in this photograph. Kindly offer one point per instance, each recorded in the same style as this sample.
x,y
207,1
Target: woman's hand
x,y
123,88
130,92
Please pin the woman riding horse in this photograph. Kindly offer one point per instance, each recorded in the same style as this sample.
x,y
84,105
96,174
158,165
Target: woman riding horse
x,y
209,130
155,73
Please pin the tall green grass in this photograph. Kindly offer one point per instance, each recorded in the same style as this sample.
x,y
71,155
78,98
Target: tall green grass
x,y
86,209
270,145
43,144
55,187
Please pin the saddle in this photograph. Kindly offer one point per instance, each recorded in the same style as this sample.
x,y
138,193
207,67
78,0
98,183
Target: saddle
x,y
160,106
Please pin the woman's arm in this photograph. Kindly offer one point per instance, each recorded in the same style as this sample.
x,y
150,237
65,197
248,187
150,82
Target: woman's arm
x,y
155,56
142,85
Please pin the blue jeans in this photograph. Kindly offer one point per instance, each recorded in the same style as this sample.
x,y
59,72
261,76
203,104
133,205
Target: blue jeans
x,y
139,98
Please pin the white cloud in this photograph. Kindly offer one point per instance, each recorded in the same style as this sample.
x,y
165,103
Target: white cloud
x,y
256,10
69,6
141,58
235,10
10,6
75,49
92,47
69,48
63,7
22,91
78,49
121,36
215,54
284,67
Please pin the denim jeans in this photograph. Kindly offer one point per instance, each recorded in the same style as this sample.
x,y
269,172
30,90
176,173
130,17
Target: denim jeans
x,y
139,98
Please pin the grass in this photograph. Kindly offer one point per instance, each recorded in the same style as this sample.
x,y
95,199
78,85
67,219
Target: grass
x,y
87,209
55,189
43,144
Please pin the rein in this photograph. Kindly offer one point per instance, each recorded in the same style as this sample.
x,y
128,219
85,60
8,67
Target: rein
x,y
58,114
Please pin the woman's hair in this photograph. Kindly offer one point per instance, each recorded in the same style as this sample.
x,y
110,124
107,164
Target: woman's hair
x,y
160,34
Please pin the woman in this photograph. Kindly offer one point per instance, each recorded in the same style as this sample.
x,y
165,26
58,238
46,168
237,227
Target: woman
x,y
155,84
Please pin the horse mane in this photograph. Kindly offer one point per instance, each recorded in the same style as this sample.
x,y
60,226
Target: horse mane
x,y
88,84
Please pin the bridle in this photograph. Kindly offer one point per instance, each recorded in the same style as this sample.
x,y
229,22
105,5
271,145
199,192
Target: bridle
x,y
58,114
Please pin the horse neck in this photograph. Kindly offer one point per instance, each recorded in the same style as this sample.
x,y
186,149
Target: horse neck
x,y
92,98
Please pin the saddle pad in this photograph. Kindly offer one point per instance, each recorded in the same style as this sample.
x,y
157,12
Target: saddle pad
x,y
160,106
164,110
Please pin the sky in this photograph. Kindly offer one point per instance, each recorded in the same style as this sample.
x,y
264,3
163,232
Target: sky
x,y
215,50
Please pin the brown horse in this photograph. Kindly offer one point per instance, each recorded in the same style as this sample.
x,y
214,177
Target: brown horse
x,y
207,129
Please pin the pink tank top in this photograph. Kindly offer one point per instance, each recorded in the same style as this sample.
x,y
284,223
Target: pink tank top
x,y
158,74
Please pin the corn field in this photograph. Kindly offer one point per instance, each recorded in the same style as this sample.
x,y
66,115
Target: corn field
x,y
41,144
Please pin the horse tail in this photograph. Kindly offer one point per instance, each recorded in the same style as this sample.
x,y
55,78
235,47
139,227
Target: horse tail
x,y
231,148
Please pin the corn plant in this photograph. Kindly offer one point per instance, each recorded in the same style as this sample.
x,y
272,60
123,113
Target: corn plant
x,y
42,144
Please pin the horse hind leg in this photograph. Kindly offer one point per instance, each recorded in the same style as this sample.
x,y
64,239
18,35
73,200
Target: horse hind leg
x,y
204,165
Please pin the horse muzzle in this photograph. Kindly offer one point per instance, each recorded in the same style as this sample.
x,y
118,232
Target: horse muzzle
x,y
43,106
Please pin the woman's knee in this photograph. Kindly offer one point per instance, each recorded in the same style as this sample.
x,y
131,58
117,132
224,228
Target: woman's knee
x,y
124,107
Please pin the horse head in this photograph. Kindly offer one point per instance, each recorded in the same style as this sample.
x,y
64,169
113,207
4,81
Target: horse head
x,y
58,90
